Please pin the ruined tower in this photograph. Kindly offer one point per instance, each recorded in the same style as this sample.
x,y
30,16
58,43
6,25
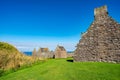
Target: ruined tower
x,y
102,40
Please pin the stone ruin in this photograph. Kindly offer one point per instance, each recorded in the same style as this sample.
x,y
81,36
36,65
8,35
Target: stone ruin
x,y
42,53
60,52
102,40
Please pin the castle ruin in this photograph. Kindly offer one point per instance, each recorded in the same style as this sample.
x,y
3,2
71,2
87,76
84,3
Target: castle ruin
x,y
42,53
102,40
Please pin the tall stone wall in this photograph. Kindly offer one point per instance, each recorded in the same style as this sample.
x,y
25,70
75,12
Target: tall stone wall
x,y
102,40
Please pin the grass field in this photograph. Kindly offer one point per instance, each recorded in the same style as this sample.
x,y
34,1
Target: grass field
x,y
64,69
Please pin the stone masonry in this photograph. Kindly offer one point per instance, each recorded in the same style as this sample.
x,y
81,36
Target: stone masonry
x,y
101,42
60,52
42,53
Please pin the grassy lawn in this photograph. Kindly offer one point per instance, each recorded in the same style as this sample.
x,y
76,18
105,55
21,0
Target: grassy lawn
x,y
61,69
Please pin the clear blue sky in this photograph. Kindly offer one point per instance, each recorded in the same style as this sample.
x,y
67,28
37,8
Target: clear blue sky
x,y
45,23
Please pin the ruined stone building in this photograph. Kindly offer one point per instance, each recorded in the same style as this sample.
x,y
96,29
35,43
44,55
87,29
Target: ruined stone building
x,y
101,42
42,53
60,52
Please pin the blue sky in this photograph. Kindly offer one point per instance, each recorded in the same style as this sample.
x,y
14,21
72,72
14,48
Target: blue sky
x,y
29,24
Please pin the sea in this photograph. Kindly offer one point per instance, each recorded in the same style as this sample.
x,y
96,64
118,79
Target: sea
x,y
30,53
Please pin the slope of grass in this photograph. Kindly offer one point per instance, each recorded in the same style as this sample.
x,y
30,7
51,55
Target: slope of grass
x,y
61,69
11,58
8,47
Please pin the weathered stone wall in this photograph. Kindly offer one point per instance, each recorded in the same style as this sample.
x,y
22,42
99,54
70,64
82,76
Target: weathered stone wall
x,y
70,54
100,10
102,40
60,52
43,53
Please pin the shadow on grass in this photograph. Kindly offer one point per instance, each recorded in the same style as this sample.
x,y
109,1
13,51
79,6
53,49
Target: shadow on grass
x,y
69,60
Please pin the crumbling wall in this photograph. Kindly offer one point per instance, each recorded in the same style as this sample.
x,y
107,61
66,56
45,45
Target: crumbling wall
x,y
102,40
60,52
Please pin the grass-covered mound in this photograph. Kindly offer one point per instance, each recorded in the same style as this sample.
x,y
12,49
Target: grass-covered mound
x,y
7,47
62,69
10,57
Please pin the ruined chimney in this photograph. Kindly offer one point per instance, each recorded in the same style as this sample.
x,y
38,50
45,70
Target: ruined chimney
x,y
101,11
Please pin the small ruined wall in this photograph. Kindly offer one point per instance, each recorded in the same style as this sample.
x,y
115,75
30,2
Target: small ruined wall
x,y
60,54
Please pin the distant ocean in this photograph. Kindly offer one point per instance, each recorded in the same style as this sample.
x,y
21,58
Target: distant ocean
x,y
30,53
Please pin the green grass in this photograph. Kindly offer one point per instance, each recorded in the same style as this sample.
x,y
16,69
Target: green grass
x,y
61,69
7,47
